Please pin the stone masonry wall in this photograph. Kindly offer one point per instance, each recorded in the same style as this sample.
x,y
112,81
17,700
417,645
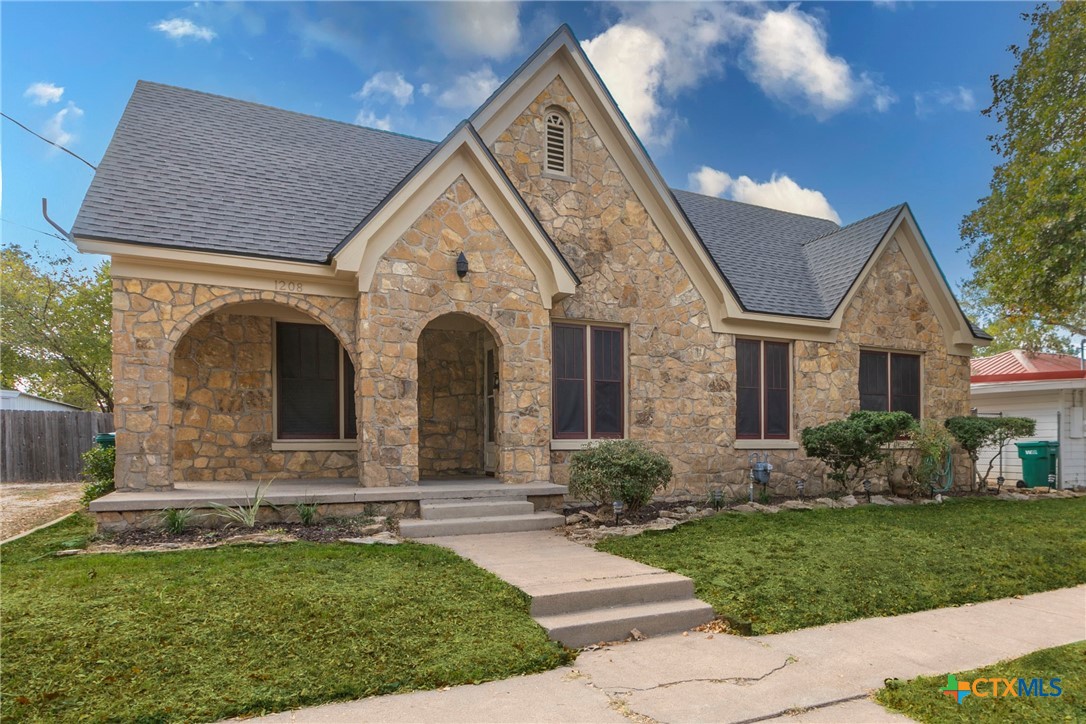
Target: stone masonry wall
x,y
679,388
450,403
682,374
222,397
416,282
149,319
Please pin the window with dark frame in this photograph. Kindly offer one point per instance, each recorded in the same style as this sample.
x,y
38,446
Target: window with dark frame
x,y
314,382
589,363
763,384
890,381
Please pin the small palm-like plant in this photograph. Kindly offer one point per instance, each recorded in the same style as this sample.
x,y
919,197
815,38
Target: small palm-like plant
x,y
175,520
307,512
247,514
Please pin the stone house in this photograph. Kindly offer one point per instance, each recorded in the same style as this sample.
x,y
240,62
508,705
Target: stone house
x,y
313,300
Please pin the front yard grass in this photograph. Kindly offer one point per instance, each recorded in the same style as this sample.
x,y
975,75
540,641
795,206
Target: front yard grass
x,y
206,634
806,568
921,699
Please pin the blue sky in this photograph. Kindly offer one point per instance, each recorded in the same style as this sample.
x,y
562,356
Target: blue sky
x,y
831,109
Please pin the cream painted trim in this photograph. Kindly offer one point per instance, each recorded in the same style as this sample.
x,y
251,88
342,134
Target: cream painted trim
x,y
765,445
287,445
281,277
572,444
462,155
563,59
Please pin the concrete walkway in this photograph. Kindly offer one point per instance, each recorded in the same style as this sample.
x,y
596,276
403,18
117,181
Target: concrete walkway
x,y
825,673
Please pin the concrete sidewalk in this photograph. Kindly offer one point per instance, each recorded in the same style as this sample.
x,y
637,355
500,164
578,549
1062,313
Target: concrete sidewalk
x,y
827,670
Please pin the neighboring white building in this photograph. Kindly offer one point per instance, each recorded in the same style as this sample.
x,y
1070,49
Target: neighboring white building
x,y
1050,388
16,400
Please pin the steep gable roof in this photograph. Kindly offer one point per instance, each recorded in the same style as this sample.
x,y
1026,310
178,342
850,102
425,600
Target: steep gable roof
x,y
197,171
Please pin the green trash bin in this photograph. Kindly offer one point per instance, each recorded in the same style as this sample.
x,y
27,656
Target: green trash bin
x,y
1038,463
106,439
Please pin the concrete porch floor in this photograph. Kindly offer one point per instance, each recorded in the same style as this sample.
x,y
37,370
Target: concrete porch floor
x,y
318,490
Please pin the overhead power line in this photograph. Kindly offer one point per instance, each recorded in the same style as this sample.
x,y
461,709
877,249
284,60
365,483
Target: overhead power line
x,y
51,143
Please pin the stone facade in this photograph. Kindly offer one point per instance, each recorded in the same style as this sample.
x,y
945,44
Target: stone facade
x,y
450,402
193,390
678,367
222,398
149,320
416,282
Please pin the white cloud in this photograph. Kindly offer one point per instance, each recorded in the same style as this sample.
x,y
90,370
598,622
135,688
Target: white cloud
x,y
789,59
390,84
469,90
41,94
478,29
54,128
369,119
780,192
958,98
183,29
629,60
658,51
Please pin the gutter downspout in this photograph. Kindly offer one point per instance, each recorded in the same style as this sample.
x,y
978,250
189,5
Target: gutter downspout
x,y
55,225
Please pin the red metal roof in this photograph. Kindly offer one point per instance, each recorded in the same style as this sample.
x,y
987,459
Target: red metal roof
x,y
1018,366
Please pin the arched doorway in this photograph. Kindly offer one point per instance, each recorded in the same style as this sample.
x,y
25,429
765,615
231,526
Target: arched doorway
x,y
261,390
458,401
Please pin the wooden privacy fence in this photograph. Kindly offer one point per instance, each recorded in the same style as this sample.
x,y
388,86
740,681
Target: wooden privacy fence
x,y
46,445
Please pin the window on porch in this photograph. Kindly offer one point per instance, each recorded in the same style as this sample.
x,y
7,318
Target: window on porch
x,y
314,382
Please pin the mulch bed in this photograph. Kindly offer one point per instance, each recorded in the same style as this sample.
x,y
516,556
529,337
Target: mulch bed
x,y
326,531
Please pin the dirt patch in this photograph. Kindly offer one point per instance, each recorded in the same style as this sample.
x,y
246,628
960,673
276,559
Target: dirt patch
x,y
327,531
24,506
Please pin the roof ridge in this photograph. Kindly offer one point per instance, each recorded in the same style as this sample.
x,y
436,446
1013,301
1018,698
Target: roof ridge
x,y
897,207
254,104
759,206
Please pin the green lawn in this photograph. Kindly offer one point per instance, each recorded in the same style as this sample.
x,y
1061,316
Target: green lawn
x,y
805,568
922,700
201,635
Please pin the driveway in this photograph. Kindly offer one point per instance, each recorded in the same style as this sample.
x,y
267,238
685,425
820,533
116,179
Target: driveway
x,y
24,506
812,675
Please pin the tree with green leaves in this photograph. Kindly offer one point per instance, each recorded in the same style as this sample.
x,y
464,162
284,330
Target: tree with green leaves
x,y
1029,334
974,433
55,338
1028,236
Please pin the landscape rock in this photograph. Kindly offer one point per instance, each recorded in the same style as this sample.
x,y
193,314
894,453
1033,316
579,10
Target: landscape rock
x,y
765,508
382,538
825,503
574,519
745,508
691,509
848,501
879,500
671,514
796,505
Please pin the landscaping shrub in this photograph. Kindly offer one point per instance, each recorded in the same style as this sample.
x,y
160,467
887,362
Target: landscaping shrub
x,y
974,433
174,520
624,470
853,446
933,443
98,464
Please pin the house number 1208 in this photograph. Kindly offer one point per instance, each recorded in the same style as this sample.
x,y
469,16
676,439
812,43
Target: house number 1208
x,y
282,285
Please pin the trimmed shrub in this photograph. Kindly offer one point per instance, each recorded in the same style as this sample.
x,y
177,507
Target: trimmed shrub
x,y
98,464
853,446
624,470
974,433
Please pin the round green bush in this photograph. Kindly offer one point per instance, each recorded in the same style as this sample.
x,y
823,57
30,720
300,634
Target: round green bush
x,y
624,470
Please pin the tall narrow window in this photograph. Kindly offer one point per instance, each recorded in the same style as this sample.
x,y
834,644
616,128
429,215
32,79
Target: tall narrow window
x,y
589,382
890,381
314,384
763,392
557,135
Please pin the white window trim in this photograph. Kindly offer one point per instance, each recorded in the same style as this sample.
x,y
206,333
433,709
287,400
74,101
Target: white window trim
x,y
579,443
761,442
285,444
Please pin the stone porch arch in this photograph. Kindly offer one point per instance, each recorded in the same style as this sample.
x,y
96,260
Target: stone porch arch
x,y
149,319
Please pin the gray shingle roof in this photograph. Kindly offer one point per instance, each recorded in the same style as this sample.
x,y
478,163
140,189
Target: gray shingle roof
x,y
191,170
197,171
783,263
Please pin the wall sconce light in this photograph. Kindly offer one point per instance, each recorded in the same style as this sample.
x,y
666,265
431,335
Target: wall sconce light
x,y
461,265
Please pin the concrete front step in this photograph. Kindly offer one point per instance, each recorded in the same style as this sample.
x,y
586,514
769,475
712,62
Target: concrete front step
x,y
571,597
582,628
471,526
445,510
